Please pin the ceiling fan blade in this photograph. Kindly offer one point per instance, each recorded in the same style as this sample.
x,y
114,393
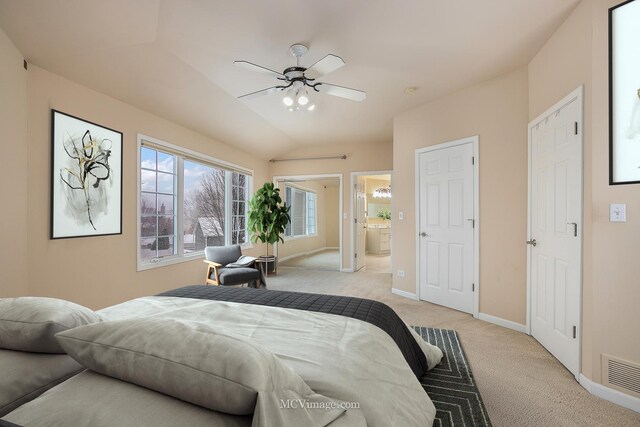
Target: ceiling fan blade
x,y
342,92
253,67
324,66
260,93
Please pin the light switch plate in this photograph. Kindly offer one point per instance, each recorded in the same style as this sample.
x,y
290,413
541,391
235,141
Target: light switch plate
x,y
401,216
618,212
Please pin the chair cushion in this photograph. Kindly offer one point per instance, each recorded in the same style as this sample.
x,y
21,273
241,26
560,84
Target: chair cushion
x,y
30,323
236,276
223,254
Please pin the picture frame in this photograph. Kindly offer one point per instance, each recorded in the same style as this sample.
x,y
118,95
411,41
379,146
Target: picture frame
x,y
86,178
624,93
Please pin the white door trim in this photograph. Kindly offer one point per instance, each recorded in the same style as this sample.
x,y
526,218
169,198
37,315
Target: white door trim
x,y
277,178
579,95
354,176
475,140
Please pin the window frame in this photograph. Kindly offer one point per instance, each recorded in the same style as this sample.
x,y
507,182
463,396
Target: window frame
x,y
181,154
307,191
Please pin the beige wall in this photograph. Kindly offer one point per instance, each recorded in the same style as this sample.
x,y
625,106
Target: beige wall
x,y
332,216
303,245
101,271
360,158
495,110
578,54
13,173
615,270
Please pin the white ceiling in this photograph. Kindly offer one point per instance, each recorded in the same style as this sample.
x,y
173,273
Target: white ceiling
x,y
175,58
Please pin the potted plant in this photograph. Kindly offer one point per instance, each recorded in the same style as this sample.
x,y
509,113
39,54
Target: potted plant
x,y
268,217
385,214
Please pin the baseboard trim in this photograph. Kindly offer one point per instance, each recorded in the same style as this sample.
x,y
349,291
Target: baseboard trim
x,y
347,270
404,294
610,394
311,252
503,322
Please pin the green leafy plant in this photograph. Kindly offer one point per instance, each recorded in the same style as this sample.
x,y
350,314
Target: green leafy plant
x,y
384,214
268,215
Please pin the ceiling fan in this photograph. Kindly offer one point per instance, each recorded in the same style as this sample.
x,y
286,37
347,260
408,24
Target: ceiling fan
x,y
298,81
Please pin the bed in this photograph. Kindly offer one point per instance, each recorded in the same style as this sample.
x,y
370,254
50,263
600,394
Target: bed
x,y
347,350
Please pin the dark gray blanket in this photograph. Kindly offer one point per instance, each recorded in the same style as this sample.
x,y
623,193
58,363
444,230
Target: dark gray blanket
x,y
373,312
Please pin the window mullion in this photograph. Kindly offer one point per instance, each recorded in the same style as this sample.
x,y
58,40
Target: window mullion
x,y
228,208
179,208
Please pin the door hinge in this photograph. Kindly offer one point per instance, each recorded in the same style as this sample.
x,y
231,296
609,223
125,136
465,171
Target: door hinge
x,y
574,332
355,255
575,128
473,160
473,287
355,220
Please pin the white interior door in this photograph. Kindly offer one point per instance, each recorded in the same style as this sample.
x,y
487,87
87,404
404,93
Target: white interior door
x,y
360,222
446,226
555,223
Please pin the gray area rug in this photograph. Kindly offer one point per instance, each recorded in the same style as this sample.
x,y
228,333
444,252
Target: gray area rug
x,y
451,385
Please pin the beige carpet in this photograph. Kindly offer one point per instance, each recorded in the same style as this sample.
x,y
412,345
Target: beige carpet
x,y
377,264
520,382
328,259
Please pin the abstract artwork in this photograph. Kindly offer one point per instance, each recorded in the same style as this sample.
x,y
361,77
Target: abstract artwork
x,y
624,93
86,178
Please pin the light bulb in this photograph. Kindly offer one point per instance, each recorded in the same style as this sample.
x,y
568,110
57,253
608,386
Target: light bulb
x,y
311,107
303,98
288,98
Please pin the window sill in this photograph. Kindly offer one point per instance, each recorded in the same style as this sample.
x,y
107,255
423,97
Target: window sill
x,y
163,262
306,236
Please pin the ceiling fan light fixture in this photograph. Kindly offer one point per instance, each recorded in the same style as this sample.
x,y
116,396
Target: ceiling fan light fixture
x,y
303,97
289,98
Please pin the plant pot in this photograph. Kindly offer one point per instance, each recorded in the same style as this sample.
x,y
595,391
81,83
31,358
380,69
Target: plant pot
x,y
270,263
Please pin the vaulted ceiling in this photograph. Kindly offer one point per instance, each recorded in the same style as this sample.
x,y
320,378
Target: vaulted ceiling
x,y
174,58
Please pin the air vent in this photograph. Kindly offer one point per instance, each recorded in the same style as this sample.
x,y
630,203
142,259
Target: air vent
x,y
621,375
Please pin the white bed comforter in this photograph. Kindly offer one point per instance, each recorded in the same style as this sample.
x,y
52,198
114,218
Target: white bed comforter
x,y
339,357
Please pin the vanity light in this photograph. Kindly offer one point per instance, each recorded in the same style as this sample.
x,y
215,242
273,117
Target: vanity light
x,y
382,193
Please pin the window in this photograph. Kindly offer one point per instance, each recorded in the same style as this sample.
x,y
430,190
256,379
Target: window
x,y
303,212
187,203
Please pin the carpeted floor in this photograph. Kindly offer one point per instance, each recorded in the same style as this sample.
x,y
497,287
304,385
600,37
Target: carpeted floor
x,y
520,382
325,260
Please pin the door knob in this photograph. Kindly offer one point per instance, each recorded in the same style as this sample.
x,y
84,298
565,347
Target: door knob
x,y
423,234
532,242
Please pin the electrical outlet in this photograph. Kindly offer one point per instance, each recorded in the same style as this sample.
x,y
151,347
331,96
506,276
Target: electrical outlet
x,y
618,213
400,273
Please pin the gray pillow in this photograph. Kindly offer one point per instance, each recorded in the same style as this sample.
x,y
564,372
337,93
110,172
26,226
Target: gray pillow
x,y
30,323
24,376
200,364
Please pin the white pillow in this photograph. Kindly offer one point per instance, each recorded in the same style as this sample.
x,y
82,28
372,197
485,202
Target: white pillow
x,y
200,364
30,323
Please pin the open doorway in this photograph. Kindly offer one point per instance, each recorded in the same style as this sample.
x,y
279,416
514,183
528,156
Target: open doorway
x,y
312,240
372,232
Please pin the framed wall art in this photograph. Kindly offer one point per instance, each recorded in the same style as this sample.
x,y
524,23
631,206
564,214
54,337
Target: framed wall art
x,y
86,178
624,93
